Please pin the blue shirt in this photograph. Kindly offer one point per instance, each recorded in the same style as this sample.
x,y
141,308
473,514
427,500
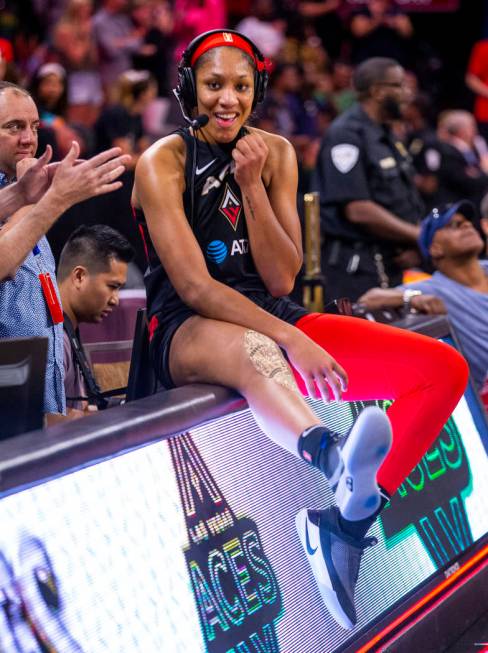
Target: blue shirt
x,y
23,313
467,310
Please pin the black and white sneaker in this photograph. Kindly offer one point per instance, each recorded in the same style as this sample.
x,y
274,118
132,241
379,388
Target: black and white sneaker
x,y
335,558
357,493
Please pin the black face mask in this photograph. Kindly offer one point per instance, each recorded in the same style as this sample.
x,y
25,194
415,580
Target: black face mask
x,y
391,109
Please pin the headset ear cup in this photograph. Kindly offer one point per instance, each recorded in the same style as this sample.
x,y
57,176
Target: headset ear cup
x,y
264,75
187,88
260,84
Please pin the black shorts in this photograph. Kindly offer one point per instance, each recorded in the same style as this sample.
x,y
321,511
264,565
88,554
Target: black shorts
x,y
282,307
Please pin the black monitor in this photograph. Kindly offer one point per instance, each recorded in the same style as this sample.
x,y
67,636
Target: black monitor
x,y
22,371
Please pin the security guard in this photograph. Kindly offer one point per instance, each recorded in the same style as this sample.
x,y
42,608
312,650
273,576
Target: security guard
x,y
370,207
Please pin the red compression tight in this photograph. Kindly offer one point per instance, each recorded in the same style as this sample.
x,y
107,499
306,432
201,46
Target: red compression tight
x,y
425,379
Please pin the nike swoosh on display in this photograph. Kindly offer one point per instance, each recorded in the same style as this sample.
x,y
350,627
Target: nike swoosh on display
x,y
310,550
199,171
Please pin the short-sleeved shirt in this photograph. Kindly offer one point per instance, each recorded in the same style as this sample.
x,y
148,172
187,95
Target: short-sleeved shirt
x,y
467,310
360,159
23,313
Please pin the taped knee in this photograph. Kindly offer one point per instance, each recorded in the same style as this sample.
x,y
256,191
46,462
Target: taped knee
x,y
267,358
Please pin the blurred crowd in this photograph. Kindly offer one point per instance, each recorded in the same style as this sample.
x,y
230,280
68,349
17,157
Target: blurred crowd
x,y
101,73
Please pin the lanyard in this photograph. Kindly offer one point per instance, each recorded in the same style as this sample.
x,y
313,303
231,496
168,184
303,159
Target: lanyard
x,y
95,395
48,290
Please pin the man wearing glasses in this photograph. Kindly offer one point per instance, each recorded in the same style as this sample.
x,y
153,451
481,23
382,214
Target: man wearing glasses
x,y
369,205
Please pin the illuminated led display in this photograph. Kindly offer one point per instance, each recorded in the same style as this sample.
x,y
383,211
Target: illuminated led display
x,y
189,545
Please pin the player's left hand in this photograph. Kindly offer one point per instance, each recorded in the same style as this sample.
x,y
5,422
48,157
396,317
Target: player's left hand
x,y
249,154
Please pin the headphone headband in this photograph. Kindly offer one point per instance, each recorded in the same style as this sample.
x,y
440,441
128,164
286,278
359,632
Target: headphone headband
x,y
185,90
232,39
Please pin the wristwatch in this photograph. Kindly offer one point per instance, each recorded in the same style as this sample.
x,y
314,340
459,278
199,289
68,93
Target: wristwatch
x,y
408,295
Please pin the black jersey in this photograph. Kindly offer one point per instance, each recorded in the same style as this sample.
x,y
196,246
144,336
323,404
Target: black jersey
x,y
213,206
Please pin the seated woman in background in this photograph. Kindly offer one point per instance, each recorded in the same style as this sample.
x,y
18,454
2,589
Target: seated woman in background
x,y
49,91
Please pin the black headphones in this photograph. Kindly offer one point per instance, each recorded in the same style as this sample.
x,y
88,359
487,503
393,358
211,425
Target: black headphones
x,y
186,91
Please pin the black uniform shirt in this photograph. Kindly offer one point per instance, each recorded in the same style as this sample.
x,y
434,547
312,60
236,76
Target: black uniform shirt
x,y
360,160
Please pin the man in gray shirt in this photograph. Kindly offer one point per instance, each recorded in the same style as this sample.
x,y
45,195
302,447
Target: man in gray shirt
x,y
459,286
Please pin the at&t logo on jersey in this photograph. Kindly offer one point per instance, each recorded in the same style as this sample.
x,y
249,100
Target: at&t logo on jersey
x,y
240,246
217,250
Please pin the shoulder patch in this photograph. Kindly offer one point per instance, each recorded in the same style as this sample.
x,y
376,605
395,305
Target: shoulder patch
x,y
344,156
432,159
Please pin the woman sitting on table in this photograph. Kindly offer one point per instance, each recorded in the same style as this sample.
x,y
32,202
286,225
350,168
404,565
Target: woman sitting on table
x,y
219,199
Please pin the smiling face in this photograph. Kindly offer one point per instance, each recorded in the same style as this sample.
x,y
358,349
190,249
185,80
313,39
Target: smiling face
x,y
19,122
225,92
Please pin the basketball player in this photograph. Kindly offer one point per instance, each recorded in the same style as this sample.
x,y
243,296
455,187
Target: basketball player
x,y
219,201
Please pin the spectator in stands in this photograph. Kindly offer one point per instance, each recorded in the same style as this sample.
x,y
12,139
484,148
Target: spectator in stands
x,y
121,123
158,23
462,164
370,206
265,27
381,29
323,17
117,40
195,16
423,146
74,41
343,95
285,108
49,92
29,303
8,71
477,81
459,285
92,269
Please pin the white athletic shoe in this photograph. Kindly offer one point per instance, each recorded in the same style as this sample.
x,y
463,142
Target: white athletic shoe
x,y
357,493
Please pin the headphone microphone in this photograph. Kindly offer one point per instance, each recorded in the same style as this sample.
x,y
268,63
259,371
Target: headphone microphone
x,y
196,123
199,122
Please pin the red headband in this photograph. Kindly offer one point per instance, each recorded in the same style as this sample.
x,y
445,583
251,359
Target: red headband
x,y
226,38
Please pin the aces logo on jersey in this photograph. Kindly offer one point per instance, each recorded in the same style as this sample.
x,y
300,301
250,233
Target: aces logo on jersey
x,y
231,207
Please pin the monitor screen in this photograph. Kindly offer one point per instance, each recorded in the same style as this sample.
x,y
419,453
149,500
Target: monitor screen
x,y
22,370
189,545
